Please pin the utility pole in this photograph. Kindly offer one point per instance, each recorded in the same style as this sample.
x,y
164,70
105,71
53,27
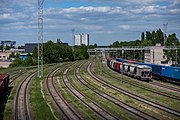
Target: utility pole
x,y
176,57
122,65
165,32
40,38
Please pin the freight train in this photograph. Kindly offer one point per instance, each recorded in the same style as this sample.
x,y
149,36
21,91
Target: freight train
x,y
4,81
167,73
142,72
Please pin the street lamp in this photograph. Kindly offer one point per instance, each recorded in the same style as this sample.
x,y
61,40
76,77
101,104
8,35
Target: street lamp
x,y
122,66
101,61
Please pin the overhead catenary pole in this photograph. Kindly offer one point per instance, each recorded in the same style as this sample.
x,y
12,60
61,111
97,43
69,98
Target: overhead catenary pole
x,y
40,38
165,32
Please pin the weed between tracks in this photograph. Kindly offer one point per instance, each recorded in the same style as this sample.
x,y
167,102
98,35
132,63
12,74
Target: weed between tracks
x,y
39,105
82,109
104,103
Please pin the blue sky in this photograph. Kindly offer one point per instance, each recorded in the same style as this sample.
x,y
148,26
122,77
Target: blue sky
x,y
105,20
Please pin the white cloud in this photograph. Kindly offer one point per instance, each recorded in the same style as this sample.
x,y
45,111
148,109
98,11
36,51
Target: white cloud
x,y
86,9
125,27
6,16
83,19
174,11
92,27
114,19
148,9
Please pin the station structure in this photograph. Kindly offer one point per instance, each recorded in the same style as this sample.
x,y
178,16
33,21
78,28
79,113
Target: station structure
x,y
152,54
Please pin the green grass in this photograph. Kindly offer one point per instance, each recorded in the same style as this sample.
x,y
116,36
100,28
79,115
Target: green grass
x,y
106,104
39,104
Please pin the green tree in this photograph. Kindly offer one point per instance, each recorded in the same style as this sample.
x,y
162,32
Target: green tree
x,y
142,36
12,55
172,40
29,60
17,62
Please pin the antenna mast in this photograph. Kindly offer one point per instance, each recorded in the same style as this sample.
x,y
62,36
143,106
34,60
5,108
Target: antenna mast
x,y
40,38
165,32
73,30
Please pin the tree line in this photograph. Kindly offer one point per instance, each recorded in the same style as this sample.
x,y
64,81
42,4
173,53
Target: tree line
x,y
53,53
151,39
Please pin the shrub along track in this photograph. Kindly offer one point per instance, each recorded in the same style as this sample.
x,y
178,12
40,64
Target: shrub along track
x,y
67,112
141,99
101,112
131,110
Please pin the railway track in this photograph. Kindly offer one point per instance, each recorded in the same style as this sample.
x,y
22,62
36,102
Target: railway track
x,y
102,113
175,89
68,113
140,114
145,88
15,76
21,102
156,105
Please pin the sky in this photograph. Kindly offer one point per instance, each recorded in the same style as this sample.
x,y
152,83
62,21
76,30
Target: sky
x,y
106,21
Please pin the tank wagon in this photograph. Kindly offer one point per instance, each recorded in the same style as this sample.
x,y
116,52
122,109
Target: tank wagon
x,y
141,72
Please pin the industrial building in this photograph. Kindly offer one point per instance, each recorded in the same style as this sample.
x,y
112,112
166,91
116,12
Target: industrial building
x,y
29,47
8,43
85,39
155,55
80,39
77,40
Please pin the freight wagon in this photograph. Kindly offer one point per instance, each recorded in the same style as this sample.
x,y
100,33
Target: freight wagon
x,y
141,72
4,81
168,73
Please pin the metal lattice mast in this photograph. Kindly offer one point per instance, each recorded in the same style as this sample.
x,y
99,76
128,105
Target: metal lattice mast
x,y
40,38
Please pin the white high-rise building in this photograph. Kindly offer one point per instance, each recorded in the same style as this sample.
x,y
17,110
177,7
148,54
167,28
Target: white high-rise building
x,y
85,39
77,40
81,39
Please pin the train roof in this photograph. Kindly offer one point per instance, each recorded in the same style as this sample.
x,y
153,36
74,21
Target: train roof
x,y
143,66
113,60
127,64
134,65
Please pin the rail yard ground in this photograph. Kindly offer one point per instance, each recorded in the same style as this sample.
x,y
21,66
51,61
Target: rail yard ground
x,y
87,89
